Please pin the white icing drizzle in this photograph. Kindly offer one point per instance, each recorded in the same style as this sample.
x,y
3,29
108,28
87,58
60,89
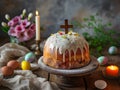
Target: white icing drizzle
x,y
56,52
69,42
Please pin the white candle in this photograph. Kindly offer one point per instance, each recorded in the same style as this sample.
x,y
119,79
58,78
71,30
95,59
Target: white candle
x,y
37,22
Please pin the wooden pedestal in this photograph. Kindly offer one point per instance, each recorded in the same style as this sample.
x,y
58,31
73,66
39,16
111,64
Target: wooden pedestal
x,y
72,77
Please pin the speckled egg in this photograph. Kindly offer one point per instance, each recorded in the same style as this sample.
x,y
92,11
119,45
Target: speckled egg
x,y
7,71
25,65
113,50
102,60
30,57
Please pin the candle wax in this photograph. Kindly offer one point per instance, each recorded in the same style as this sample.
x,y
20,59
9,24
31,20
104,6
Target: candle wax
x,y
37,22
112,70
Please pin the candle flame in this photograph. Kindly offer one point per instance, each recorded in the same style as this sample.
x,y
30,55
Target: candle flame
x,y
37,13
113,67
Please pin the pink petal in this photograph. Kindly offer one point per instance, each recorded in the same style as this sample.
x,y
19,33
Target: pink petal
x,y
32,27
19,28
29,34
12,32
14,21
22,37
11,23
25,23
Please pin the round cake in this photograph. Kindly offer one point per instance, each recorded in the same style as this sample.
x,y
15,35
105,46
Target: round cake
x,y
66,51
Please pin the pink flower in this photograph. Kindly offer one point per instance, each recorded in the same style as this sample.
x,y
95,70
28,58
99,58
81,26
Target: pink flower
x,y
29,34
11,23
22,37
26,35
12,32
14,21
19,28
25,23
32,27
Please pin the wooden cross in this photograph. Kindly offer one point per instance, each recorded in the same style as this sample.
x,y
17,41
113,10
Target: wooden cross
x,y
66,26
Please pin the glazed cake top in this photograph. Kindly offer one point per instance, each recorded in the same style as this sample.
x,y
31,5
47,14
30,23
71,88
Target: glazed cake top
x,y
70,41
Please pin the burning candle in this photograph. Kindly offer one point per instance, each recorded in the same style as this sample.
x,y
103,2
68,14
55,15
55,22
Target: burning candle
x,y
37,22
112,70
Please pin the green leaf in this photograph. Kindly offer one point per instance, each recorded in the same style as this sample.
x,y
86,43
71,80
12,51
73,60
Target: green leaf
x,y
77,24
99,48
86,35
92,18
90,24
109,24
5,29
85,19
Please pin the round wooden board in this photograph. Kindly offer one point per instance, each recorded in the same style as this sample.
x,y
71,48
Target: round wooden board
x,y
90,68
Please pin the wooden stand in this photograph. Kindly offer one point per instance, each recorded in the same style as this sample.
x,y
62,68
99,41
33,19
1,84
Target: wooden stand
x,y
72,77
70,82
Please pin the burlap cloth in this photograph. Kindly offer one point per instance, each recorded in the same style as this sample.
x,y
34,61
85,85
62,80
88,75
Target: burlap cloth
x,y
22,79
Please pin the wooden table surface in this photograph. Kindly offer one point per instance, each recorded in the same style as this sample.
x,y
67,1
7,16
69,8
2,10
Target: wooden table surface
x,y
112,84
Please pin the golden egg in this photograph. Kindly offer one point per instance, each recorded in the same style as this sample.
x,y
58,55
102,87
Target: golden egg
x,y
13,64
7,71
25,65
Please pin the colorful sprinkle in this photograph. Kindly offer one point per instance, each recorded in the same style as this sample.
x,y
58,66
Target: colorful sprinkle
x,y
70,33
61,33
65,37
76,34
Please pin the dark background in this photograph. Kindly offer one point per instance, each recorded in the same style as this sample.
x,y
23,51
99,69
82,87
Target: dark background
x,y
53,12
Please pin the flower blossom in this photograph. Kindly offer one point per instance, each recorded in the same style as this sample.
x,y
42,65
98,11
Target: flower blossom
x,y
14,21
22,37
32,27
12,32
25,23
24,11
30,16
29,34
7,17
4,24
19,28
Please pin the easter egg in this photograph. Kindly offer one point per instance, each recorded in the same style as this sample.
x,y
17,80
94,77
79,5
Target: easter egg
x,y
30,57
25,65
7,71
13,64
102,60
112,50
